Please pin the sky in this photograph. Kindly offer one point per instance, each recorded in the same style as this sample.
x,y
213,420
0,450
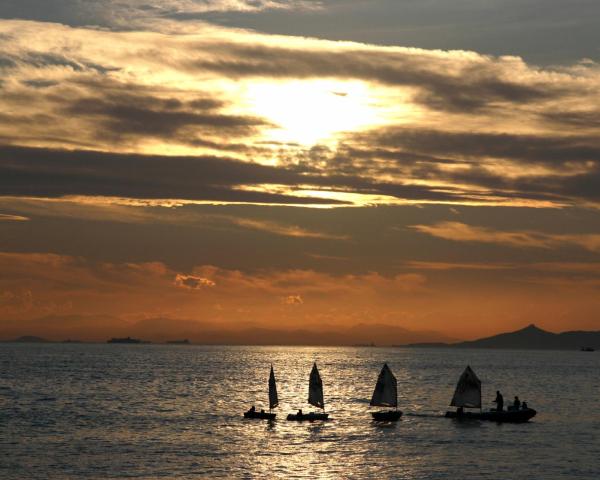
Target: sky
x,y
270,171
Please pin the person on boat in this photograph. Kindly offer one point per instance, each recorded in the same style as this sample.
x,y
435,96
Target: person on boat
x,y
499,401
262,410
517,403
524,405
299,412
252,409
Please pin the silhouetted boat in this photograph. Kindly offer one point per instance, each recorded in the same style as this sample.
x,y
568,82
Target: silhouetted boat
x,y
468,395
178,342
124,340
315,397
273,402
386,395
587,349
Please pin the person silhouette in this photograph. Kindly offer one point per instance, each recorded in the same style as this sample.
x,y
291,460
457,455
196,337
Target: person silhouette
x,y
499,401
517,403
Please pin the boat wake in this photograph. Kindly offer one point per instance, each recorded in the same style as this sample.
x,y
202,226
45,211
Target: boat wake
x,y
424,415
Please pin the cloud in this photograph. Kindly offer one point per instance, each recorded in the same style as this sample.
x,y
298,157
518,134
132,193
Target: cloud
x,y
12,218
193,282
421,265
461,232
56,173
173,116
122,115
282,229
292,300
131,14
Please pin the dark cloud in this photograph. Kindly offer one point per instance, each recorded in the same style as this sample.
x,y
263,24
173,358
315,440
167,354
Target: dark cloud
x,y
55,173
40,83
581,119
468,146
120,115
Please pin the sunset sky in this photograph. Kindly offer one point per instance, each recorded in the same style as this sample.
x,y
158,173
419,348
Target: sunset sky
x,y
204,168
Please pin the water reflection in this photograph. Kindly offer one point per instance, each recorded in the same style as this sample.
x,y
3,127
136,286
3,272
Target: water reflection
x,y
176,412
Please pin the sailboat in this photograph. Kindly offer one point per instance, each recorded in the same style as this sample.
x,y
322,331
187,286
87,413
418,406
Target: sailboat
x,y
386,395
315,398
468,395
273,402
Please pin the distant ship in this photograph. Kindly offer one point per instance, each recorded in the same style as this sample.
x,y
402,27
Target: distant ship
x,y
588,349
178,342
124,340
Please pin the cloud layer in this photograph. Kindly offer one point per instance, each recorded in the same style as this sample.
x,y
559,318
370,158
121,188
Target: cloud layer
x,y
451,127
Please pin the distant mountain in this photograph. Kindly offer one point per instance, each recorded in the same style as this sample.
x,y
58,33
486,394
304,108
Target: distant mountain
x,y
98,328
30,339
530,337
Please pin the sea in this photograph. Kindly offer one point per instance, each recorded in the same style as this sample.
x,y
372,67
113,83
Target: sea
x,y
99,411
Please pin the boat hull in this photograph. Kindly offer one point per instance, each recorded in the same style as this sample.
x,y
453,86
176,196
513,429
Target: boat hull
x,y
387,416
260,415
307,417
506,416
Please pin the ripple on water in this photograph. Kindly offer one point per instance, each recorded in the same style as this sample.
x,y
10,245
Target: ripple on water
x,y
115,411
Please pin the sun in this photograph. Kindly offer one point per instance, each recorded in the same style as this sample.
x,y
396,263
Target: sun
x,y
312,111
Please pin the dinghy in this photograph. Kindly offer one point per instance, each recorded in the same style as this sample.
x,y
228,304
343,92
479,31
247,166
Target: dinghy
x,y
273,402
386,395
468,395
315,398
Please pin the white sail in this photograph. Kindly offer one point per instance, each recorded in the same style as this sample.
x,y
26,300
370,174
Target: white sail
x,y
315,388
386,390
273,399
468,390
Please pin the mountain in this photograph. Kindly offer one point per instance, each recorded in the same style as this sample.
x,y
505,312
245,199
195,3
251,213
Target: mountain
x,y
530,337
98,328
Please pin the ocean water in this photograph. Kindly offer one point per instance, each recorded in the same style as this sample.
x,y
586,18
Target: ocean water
x,y
151,411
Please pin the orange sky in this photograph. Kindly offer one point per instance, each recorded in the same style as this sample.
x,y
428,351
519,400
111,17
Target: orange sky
x,y
187,179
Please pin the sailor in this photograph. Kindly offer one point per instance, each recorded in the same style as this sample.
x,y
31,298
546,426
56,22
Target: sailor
x,y
299,412
517,403
252,409
499,401
524,405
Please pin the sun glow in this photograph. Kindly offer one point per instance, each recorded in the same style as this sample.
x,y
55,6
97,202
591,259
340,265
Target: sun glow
x,y
307,112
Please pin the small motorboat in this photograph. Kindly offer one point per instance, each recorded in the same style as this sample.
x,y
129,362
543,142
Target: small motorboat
x,y
310,417
273,402
385,395
468,395
505,416
315,398
262,415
